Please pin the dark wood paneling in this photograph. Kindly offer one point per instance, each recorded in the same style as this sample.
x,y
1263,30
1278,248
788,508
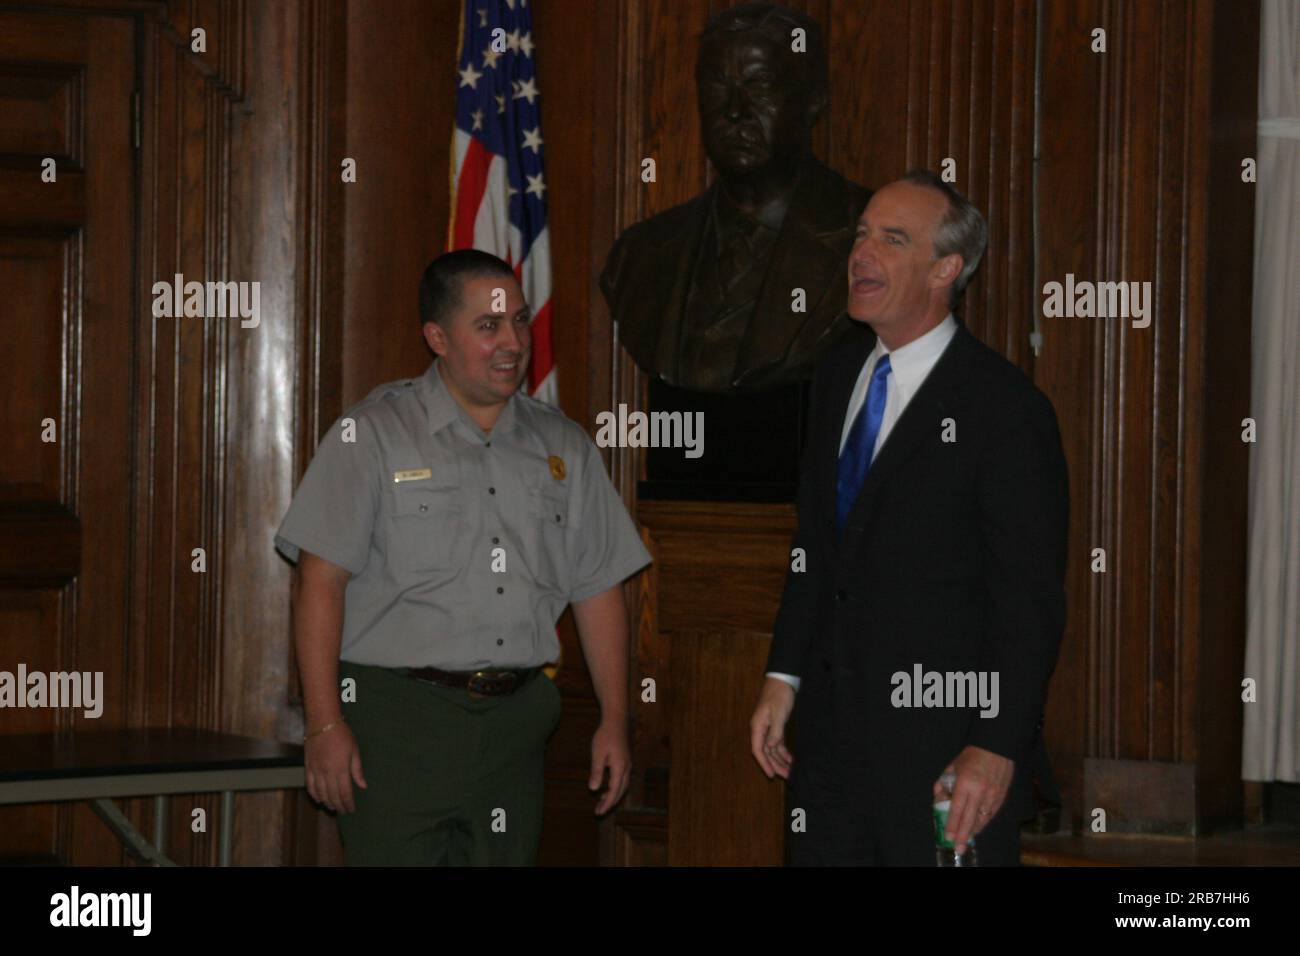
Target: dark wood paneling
x,y
707,609
38,274
183,428
1139,796
292,245
401,80
39,547
31,628
740,593
67,252
42,110
175,434
723,810
1152,427
1222,116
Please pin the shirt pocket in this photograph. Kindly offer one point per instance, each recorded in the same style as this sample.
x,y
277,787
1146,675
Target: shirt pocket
x,y
426,524
551,524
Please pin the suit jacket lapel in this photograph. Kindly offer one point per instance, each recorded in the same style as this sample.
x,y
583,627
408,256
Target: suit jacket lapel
x,y
920,421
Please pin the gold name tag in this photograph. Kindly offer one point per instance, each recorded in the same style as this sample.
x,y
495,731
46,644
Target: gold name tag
x,y
412,474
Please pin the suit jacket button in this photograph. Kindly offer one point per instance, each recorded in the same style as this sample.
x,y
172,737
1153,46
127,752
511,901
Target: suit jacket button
x,y
840,595
826,665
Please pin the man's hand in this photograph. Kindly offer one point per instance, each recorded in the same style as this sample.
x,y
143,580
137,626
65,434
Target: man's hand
x,y
333,761
331,758
983,779
767,728
602,630
609,749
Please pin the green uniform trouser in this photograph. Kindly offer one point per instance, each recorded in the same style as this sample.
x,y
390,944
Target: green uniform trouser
x,y
451,779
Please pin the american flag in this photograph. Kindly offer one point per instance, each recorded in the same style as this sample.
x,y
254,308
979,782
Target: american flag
x,y
498,189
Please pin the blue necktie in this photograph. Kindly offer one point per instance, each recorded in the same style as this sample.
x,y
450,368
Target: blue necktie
x,y
856,458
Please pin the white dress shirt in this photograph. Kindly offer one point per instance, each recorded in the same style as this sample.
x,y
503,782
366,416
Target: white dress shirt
x,y
909,366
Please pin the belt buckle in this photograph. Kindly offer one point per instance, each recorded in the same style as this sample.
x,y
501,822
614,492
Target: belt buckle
x,y
480,681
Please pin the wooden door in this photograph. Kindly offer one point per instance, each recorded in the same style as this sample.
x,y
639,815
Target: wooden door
x,y
67,241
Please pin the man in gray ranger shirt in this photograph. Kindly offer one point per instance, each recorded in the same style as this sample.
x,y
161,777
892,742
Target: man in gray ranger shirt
x,y
440,531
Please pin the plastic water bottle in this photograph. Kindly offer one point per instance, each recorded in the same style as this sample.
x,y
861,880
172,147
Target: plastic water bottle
x,y
944,850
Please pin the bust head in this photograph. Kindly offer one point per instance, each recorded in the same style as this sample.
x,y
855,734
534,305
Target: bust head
x,y
758,98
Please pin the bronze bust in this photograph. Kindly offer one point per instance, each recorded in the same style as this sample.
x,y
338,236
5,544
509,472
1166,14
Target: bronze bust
x,y
705,293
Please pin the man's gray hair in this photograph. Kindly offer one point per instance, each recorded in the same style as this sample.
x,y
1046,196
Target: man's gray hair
x,y
962,231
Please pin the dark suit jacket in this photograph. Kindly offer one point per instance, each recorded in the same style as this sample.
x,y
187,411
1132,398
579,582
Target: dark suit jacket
x,y
953,557
648,276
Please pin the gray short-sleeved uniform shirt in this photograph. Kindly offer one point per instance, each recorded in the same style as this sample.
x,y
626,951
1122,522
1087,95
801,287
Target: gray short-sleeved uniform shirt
x,y
425,510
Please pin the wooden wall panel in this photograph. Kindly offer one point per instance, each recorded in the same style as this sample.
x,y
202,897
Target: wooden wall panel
x,y
66,246
401,76
239,165
1071,373
176,433
33,630
1157,468
181,367
291,243
723,811
1222,117
36,273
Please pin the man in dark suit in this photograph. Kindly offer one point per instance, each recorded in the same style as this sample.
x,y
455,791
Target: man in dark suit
x,y
933,508
705,293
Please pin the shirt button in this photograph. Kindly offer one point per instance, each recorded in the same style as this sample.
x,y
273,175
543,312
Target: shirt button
x,y
492,491
488,444
557,518
496,540
501,590
424,507
499,642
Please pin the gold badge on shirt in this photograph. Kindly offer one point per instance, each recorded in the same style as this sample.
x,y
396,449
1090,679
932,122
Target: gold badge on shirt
x,y
557,467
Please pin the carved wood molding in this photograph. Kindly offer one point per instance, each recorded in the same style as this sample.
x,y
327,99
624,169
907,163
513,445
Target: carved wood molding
x,y
175,19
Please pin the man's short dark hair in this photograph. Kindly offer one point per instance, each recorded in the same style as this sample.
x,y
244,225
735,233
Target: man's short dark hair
x,y
775,22
440,286
962,231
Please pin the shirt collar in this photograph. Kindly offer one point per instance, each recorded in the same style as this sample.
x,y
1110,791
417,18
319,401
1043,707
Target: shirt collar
x,y
912,360
443,409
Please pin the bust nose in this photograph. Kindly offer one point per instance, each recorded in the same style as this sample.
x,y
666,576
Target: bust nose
x,y
735,105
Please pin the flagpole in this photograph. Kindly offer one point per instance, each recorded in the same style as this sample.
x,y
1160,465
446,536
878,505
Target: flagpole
x,y
451,157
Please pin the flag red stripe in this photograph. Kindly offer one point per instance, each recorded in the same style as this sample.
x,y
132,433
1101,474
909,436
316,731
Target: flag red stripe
x,y
471,185
543,351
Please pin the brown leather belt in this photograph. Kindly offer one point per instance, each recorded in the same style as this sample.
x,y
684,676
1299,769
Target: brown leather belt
x,y
490,682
